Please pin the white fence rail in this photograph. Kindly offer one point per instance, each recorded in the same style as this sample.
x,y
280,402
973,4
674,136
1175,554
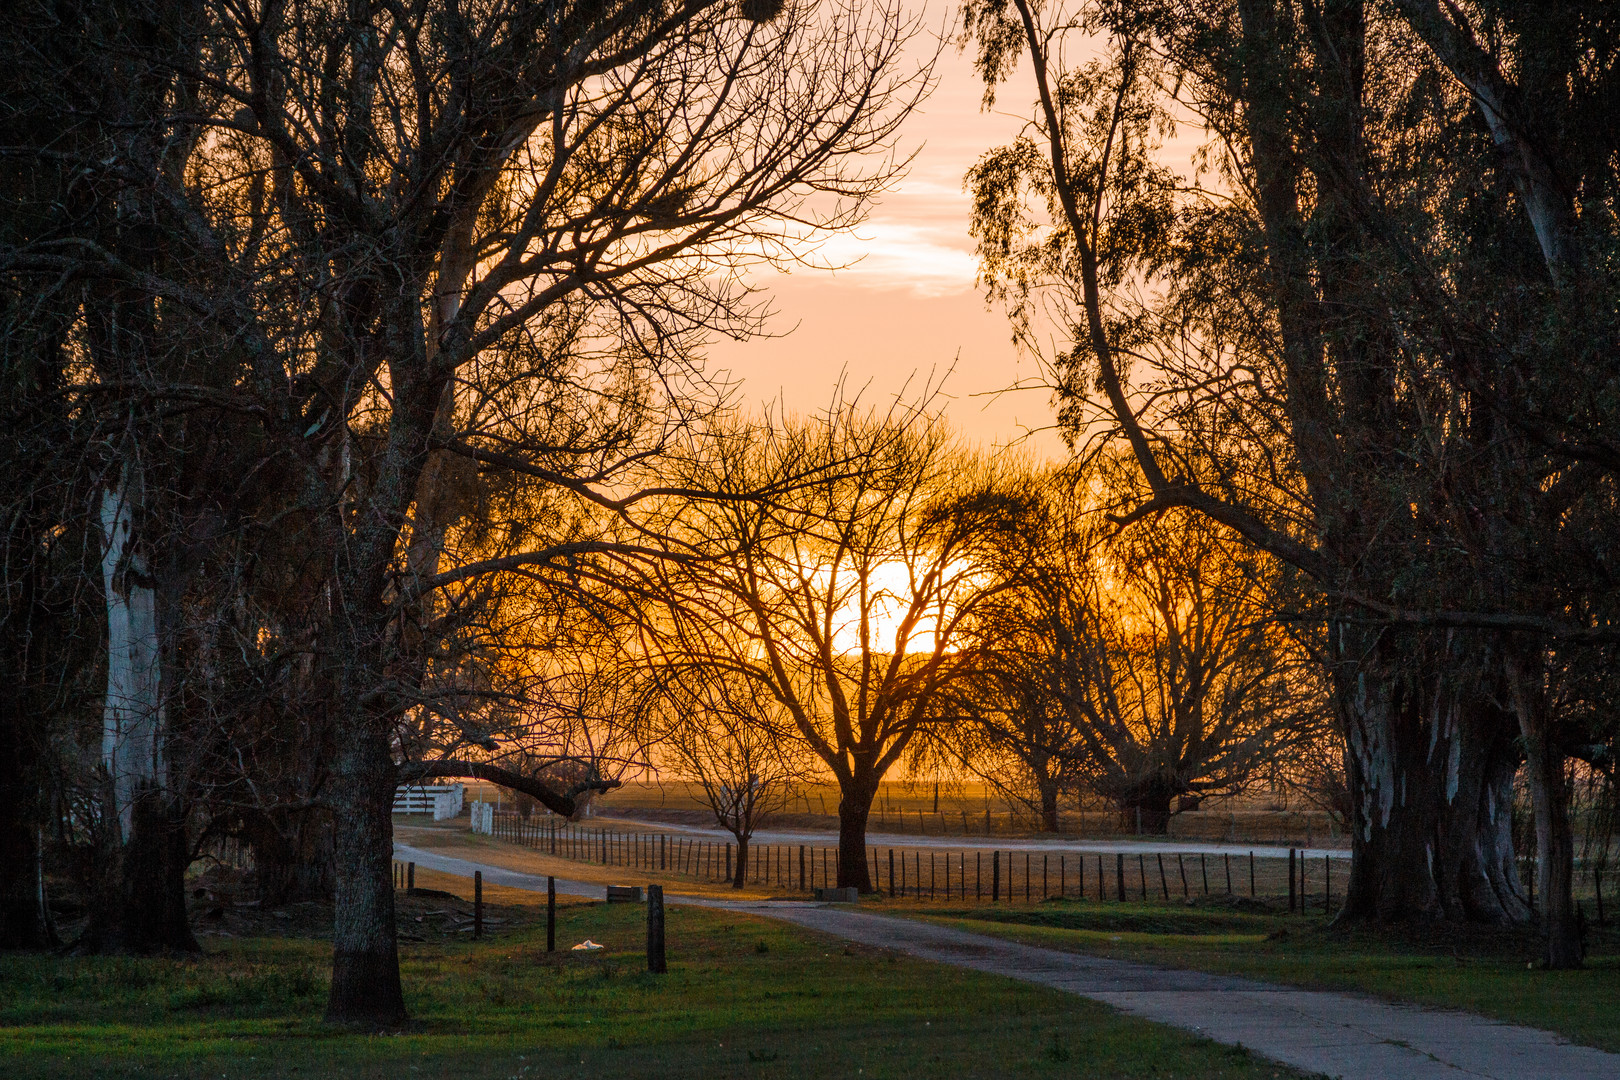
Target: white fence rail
x,y
441,800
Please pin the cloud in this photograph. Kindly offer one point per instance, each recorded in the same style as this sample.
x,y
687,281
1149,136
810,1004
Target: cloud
x,y
886,254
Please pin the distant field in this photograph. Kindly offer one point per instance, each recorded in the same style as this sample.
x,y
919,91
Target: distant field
x,y
909,808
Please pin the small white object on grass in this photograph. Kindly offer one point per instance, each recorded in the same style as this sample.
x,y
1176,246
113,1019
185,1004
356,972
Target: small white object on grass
x,y
586,946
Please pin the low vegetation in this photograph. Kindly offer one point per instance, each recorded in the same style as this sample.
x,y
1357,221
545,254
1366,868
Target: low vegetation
x,y
743,998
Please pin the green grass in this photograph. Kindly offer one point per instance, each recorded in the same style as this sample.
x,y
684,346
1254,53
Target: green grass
x,y
744,998
1477,969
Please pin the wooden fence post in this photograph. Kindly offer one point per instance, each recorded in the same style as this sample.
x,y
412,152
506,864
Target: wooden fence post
x,y
478,904
551,913
655,930
1119,874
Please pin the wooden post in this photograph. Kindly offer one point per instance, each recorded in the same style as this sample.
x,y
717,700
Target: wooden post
x,y
801,868
995,876
655,930
478,904
1291,871
728,862
551,914
1063,883
891,873
1186,894
1251,875
1119,875
410,876
1203,863
978,876
1327,890
1141,875
1164,885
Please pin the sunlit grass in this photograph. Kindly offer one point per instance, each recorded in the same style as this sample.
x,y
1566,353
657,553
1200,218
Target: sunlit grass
x,y
744,997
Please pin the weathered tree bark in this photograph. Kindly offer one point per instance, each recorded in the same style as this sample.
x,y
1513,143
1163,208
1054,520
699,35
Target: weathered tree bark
x,y
1430,765
24,912
138,903
740,875
365,988
1150,808
1049,804
854,808
1549,796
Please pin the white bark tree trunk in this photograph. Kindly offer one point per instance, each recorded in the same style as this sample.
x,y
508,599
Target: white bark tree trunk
x,y
132,715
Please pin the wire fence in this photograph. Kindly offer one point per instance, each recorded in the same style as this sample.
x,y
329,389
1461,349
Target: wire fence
x,y
969,875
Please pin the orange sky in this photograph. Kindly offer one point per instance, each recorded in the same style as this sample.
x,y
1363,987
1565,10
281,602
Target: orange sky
x,y
908,308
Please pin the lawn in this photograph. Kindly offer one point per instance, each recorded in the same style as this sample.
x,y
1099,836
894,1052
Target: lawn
x,y
1488,972
744,997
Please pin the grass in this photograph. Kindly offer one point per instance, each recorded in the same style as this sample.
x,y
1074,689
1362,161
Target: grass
x,y
744,998
1482,971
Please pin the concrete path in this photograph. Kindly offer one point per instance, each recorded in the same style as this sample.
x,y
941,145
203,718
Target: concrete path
x,y
1337,1035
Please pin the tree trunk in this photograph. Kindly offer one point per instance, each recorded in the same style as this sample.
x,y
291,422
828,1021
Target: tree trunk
x,y
366,987
740,877
1049,805
138,902
292,858
853,810
1150,808
24,914
1549,796
1430,763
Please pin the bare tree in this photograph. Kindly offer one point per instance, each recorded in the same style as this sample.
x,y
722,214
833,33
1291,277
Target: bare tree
x,y
1147,664
1327,360
726,732
442,246
846,591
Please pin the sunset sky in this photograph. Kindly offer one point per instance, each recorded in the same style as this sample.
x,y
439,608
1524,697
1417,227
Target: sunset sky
x,y
908,307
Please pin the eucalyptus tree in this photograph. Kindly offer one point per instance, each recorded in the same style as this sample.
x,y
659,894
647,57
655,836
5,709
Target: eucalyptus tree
x,y
1354,340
